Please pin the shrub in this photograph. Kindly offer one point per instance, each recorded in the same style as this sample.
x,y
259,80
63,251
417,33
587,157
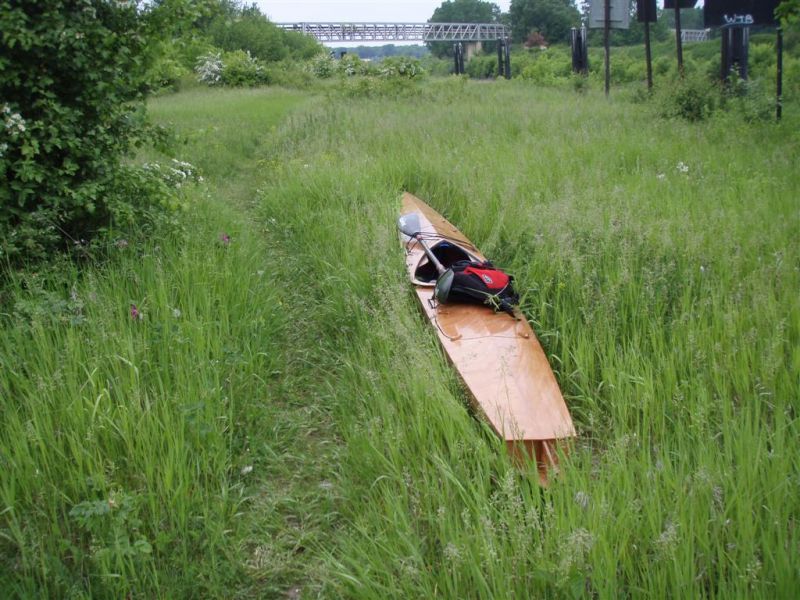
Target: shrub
x,y
350,65
72,74
209,68
167,71
323,65
241,69
400,67
692,98
482,67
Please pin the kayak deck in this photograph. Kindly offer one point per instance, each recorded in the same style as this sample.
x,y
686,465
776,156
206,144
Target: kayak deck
x,y
498,357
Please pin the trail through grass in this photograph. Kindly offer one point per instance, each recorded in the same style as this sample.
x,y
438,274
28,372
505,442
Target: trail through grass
x,y
159,456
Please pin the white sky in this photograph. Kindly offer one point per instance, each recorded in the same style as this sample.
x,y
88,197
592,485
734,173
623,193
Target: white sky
x,y
396,11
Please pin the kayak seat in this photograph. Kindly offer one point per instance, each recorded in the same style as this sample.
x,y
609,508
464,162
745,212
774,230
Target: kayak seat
x,y
447,254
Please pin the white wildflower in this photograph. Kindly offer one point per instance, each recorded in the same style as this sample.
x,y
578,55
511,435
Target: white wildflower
x,y
682,167
582,499
247,470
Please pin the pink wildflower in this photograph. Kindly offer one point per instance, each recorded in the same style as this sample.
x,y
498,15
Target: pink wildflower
x,y
226,239
135,314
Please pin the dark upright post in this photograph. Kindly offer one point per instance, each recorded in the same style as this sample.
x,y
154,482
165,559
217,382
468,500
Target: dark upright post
x,y
507,55
678,36
779,86
585,47
648,55
500,67
607,42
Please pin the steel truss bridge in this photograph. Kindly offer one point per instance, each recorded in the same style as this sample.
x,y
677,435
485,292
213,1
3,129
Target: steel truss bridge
x,y
404,32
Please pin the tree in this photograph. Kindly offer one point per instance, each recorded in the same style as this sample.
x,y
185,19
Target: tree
x,y
461,11
788,12
551,18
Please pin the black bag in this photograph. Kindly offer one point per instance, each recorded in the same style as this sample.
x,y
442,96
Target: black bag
x,y
477,282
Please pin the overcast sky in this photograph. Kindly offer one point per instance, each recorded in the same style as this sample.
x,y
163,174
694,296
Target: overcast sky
x,y
395,11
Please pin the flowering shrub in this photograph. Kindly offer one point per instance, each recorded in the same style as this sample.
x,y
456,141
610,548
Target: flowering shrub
x,y
323,65
241,69
209,68
351,65
401,66
237,68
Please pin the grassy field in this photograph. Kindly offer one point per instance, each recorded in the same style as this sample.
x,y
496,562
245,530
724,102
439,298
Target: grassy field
x,y
282,423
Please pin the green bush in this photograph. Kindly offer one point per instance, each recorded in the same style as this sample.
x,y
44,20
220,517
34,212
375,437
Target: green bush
x,y
241,69
548,68
692,98
248,30
323,65
400,67
167,70
350,65
71,75
483,66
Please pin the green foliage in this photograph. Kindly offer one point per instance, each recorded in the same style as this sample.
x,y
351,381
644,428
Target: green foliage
x,y
461,11
167,70
547,67
789,12
235,69
402,67
242,69
350,65
247,29
483,66
323,65
692,98
551,18
71,73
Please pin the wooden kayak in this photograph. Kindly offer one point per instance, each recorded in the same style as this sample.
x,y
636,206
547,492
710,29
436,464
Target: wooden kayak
x,y
497,356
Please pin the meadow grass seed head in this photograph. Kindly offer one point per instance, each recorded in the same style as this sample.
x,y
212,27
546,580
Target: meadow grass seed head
x,y
582,499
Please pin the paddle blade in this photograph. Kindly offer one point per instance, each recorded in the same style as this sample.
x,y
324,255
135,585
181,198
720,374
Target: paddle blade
x,y
409,224
443,285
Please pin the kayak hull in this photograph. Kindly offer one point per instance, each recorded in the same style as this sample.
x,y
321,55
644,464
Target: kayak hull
x,y
498,357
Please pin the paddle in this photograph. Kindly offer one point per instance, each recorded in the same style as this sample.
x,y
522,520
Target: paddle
x,y
410,226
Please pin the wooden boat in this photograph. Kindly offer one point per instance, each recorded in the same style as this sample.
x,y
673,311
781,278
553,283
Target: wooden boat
x,y
497,356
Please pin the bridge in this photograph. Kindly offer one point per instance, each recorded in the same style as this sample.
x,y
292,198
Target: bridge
x,y
466,37
403,32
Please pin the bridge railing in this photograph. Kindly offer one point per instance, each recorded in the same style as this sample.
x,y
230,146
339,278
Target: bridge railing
x,y
424,32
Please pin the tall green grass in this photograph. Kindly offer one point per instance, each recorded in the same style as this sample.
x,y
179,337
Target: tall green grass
x,y
156,452
657,261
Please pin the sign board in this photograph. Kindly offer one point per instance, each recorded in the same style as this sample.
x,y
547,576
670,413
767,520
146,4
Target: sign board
x,y
717,13
681,3
646,11
620,14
